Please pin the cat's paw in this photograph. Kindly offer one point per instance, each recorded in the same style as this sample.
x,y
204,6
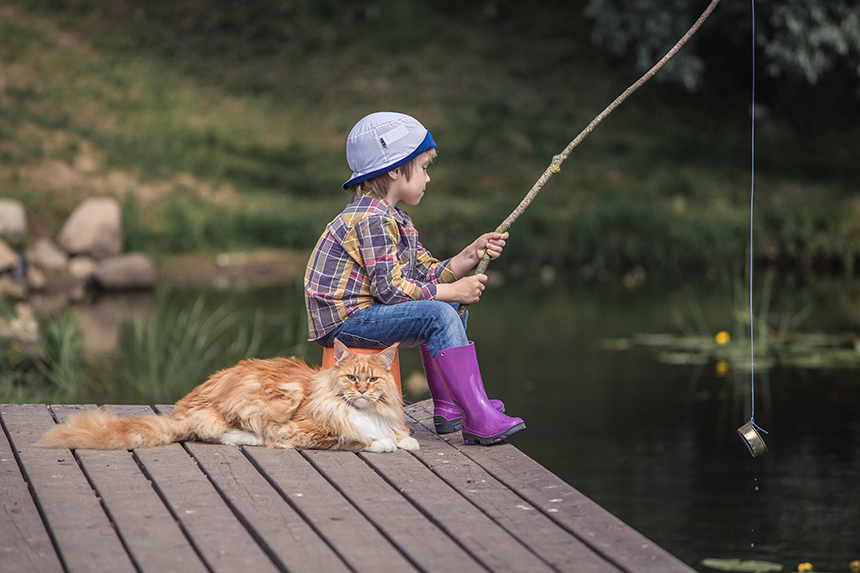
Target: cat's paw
x,y
382,445
240,438
409,444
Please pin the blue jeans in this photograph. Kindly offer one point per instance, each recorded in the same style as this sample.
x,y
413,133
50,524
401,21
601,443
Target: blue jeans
x,y
438,324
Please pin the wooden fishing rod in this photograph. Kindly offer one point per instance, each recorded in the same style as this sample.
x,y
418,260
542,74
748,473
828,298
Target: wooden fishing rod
x,y
555,165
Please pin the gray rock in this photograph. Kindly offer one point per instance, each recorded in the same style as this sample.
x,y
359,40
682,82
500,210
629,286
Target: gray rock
x,y
125,272
46,255
13,220
36,279
12,289
8,257
82,267
94,229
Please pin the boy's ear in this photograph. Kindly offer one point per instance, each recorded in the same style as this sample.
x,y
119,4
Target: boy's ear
x,y
395,174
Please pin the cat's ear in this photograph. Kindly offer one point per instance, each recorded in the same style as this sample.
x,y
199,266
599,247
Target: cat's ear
x,y
340,351
388,355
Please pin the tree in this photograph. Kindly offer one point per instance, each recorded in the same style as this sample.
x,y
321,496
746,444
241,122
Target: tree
x,y
808,39
809,50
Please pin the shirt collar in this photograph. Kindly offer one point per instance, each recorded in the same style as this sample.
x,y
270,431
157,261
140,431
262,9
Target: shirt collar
x,y
398,214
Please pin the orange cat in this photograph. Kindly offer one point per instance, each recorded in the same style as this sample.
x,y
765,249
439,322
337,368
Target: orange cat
x,y
279,403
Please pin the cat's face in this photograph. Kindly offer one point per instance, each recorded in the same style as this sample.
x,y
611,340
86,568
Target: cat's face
x,y
363,380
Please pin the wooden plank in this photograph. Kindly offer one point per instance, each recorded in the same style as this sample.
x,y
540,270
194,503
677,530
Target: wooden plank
x,y
561,549
274,522
474,530
355,539
447,506
608,535
25,545
427,546
220,539
151,535
84,536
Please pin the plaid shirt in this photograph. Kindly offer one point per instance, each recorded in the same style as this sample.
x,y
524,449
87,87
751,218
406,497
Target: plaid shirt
x,y
369,254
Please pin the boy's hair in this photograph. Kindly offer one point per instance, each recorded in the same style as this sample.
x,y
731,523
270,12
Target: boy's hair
x,y
381,183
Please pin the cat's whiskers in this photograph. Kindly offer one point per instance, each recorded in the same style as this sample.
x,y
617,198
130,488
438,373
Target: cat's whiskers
x,y
361,400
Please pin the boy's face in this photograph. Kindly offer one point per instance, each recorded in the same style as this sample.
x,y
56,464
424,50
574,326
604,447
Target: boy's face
x,y
409,192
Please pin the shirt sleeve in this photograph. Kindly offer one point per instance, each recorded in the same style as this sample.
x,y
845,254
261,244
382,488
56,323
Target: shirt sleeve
x,y
374,241
433,270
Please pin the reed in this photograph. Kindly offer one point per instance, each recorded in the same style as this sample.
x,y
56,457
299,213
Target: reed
x,y
64,365
159,357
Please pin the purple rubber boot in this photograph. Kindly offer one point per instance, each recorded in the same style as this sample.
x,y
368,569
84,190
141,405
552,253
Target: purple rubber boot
x,y
446,415
482,424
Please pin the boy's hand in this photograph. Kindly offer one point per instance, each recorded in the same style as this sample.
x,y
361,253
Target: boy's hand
x,y
491,243
465,291
471,288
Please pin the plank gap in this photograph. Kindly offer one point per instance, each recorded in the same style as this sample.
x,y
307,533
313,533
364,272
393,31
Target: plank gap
x,y
40,512
277,488
170,510
358,508
237,513
82,466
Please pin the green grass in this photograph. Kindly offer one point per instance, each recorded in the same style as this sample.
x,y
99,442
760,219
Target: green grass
x,y
258,98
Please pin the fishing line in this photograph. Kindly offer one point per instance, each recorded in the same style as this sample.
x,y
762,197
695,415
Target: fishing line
x,y
750,431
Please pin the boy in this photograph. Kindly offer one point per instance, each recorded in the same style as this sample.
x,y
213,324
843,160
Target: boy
x,y
370,283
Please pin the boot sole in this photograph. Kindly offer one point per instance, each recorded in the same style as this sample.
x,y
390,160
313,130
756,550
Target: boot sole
x,y
446,426
473,440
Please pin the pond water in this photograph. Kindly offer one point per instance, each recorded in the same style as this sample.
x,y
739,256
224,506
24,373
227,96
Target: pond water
x,y
656,443
658,450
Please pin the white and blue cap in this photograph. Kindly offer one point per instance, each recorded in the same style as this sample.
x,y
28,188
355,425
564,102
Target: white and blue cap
x,y
384,141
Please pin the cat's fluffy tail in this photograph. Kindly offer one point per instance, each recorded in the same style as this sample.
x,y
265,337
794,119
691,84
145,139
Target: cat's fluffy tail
x,y
101,430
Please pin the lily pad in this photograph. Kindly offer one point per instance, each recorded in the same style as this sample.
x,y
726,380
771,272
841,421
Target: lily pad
x,y
748,566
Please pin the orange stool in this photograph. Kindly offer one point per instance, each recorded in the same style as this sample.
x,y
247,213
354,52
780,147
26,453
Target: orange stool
x,y
328,360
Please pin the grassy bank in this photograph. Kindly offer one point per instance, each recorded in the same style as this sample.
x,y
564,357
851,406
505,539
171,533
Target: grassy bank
x,y
224,130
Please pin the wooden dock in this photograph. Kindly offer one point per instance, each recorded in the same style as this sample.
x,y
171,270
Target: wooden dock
x,y
205,507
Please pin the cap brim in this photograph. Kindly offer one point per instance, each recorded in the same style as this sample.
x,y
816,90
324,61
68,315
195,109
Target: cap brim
x,y
426,145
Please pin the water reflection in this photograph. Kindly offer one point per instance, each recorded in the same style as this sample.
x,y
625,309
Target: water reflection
x,y
101,318
656,443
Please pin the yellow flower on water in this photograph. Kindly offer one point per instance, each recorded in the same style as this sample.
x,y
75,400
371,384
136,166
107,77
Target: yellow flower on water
x,y
722,368
854,566
722,337
804,567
